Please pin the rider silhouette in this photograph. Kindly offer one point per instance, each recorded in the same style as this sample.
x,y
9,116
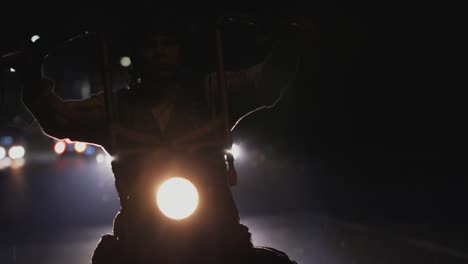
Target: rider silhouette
x,y
165,104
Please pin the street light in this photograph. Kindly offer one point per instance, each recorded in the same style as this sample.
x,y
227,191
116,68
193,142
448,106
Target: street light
x,y
35,38
125,61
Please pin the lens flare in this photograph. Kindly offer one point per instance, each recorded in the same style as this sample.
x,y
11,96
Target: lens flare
x,y
60,147
177,198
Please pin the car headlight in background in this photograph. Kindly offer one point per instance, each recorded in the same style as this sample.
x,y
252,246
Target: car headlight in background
x,y
100,158
177,198
2,153
103,158
80,147
60,147
16,152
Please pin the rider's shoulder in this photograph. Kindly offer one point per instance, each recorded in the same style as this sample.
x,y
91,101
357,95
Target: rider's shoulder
x,y
121,95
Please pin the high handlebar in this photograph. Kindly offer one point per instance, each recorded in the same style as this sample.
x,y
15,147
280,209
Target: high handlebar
x,y
45,46
38,48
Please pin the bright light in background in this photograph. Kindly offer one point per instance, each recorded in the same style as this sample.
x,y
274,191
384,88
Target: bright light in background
x,y
16,152
100,158
90,150
80,147
35,38
2,153
6,140
60,147
12,70
235,151
125,61
177,198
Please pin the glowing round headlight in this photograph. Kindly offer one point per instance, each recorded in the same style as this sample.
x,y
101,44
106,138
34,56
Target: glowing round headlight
x,y
2,153
16,152
177,198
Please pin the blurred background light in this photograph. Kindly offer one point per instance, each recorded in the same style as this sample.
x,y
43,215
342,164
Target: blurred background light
x,y
16,152
6,140
100,158
2,153
60,147
236,151
125,61
35,38
80,147
90,150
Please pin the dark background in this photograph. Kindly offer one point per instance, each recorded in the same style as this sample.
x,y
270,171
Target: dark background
x,y
376,103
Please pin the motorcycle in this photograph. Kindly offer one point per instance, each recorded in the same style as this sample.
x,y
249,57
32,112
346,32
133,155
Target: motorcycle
x,y
176,204
177,208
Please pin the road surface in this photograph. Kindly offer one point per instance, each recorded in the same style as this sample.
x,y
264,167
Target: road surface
x,y
54,211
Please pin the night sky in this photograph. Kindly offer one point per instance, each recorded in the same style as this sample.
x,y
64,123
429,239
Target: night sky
x,y
375,103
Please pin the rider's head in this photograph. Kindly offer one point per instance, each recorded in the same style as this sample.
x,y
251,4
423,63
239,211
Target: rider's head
x,y
167,48
157,55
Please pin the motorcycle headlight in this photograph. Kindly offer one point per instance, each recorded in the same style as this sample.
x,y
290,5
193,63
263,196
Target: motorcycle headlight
x,y
177,198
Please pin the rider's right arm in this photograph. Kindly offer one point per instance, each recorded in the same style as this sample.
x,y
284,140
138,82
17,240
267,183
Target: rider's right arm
x,y
77,120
